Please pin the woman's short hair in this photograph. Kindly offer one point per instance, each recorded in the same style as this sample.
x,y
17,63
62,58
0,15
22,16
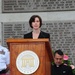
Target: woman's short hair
x,y
32,19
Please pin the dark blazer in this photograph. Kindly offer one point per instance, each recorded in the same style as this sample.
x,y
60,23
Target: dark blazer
x,y
61,70
41,35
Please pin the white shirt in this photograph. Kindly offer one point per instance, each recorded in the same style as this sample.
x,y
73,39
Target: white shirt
x,y
4,57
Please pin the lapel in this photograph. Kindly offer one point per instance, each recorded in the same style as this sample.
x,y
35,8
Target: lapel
x,y
40,35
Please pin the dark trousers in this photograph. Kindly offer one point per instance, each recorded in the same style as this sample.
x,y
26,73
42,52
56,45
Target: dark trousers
x,y
3,71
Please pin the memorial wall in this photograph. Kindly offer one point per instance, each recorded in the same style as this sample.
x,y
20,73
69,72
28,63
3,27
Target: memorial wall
x,y
37,5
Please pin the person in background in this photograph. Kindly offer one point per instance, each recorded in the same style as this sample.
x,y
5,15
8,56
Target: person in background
x,y
4,60
35,23
58,68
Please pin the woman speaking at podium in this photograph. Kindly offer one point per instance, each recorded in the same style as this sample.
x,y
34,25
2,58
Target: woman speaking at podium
x,y
35,23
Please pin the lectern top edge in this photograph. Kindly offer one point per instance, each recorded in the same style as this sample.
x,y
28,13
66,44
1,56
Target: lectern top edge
x,y
26,40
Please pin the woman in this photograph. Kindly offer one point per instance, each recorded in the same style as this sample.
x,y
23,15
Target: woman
x,y
35,23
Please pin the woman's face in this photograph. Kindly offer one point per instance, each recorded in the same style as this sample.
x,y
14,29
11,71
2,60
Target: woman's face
x,y
36,23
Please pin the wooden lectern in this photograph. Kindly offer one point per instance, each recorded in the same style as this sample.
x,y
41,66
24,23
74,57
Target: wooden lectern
x,y
40,46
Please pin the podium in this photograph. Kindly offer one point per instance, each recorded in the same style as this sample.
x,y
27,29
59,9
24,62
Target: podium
x,y
41,47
